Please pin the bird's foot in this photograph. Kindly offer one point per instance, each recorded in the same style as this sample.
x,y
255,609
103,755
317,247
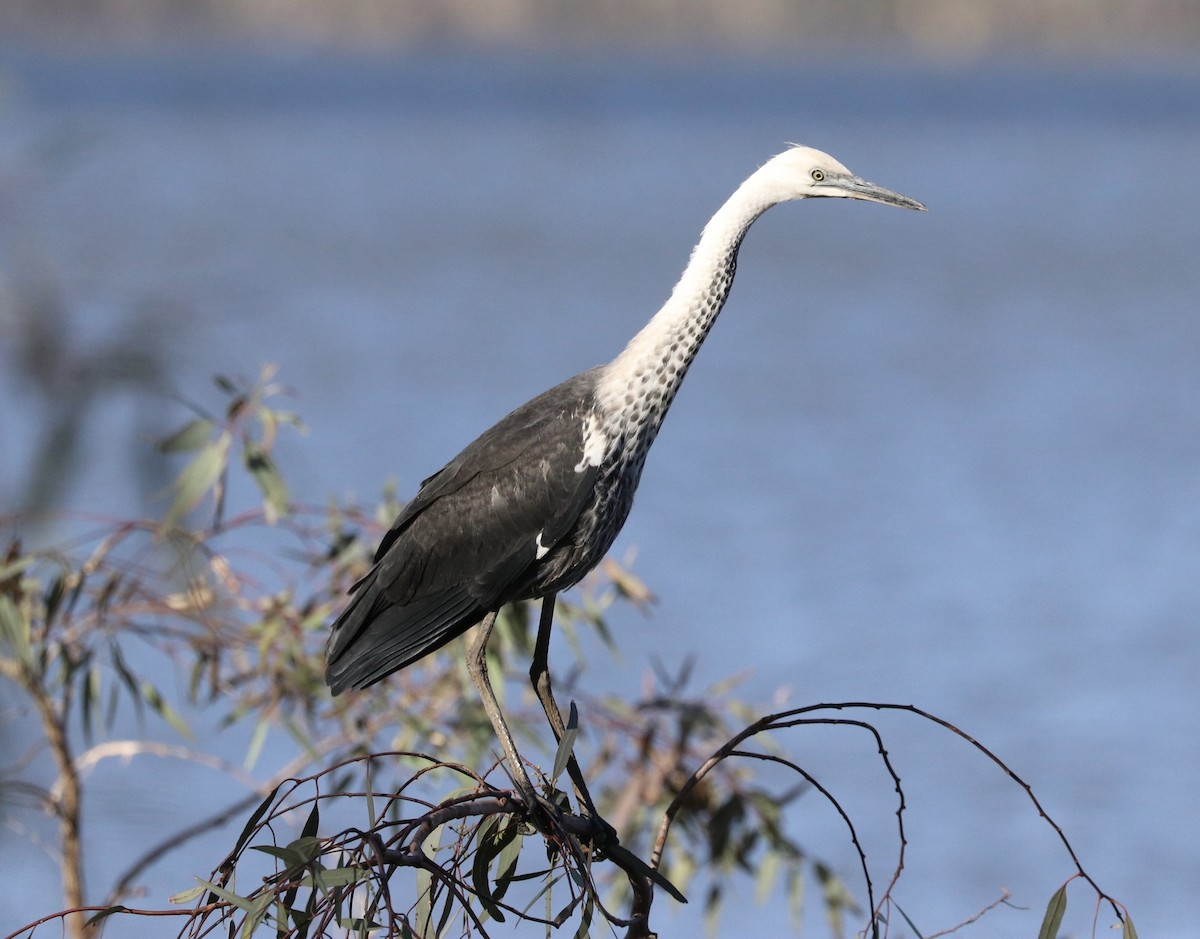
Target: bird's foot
x,y
551,816
597,832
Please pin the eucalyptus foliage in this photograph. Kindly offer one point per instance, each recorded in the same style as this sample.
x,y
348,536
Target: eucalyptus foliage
x,y
392,816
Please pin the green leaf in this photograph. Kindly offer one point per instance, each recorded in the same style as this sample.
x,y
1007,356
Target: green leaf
x,y
585,920
836,896
370,789
198,477
712,909
257,739
494,837
290,418
625,858
358,925
13,568
267,477
547,885
164,710
14,629
256,914
506,861
299,854
768,874
795,892
191,436
252,823
1127,930
338,877
92,692
479,867
312,822
1054,914
242,903
425,883
308,836
567,745
187,896
104,914
53,598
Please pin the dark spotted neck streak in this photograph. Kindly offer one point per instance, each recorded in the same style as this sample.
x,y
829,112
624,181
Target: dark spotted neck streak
x,y
635,390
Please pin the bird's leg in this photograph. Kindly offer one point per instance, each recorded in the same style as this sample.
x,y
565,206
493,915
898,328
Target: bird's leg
x,y
478,670
539,675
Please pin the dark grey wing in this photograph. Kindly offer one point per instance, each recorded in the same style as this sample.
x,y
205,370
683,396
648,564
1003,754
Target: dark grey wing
x,y
469,540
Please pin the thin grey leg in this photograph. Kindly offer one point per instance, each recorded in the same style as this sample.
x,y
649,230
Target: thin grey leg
x,y
478,670
539,675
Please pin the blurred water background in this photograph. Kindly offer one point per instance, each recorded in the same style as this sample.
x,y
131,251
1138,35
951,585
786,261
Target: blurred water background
x,y
950,459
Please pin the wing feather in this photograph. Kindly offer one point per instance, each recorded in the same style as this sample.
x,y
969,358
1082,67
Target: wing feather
x,y
468,541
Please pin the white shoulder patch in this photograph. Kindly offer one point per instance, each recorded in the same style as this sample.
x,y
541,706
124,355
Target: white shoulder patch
x,y
595,443
542,550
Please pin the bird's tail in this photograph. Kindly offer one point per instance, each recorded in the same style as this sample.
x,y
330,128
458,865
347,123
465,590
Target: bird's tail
x,y
375,636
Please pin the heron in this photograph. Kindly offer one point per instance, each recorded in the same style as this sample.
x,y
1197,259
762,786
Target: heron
x,y
534,503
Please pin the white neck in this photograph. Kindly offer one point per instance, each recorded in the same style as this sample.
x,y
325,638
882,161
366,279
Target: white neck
x,y
640,383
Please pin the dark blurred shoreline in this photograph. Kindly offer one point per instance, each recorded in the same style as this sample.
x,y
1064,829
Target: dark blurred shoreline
x,y
951,29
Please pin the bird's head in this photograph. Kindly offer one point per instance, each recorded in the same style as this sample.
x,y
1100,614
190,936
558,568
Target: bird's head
x,y
804,173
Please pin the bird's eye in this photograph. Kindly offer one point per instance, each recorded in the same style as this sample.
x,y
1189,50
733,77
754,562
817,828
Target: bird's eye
x,y
817,175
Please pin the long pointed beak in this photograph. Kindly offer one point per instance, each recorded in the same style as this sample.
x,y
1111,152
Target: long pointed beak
x,y
855,187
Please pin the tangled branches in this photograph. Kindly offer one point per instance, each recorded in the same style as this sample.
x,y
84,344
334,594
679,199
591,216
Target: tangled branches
x,y
409,841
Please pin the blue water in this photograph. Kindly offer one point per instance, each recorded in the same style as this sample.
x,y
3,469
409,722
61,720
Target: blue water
x,y
950,459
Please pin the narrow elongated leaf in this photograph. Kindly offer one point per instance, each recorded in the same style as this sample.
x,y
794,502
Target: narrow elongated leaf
x,y
14,630
1054,914
425,883
506,860
448,906
164,710
187,896
198,477
358,926
308,837
495,837
242,903
296,855
191,436
768,875
15,564
479,867
252,822
128,679
544,892
1127,930
338,877
290,418
255,915
627,859
104,914
53,598
301,919
93,690
585,920
257,739
424,905
795,891
267,477
567,745
312,822
370,786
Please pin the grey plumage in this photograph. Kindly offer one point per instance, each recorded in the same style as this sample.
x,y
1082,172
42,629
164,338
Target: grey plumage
x,y
468,542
